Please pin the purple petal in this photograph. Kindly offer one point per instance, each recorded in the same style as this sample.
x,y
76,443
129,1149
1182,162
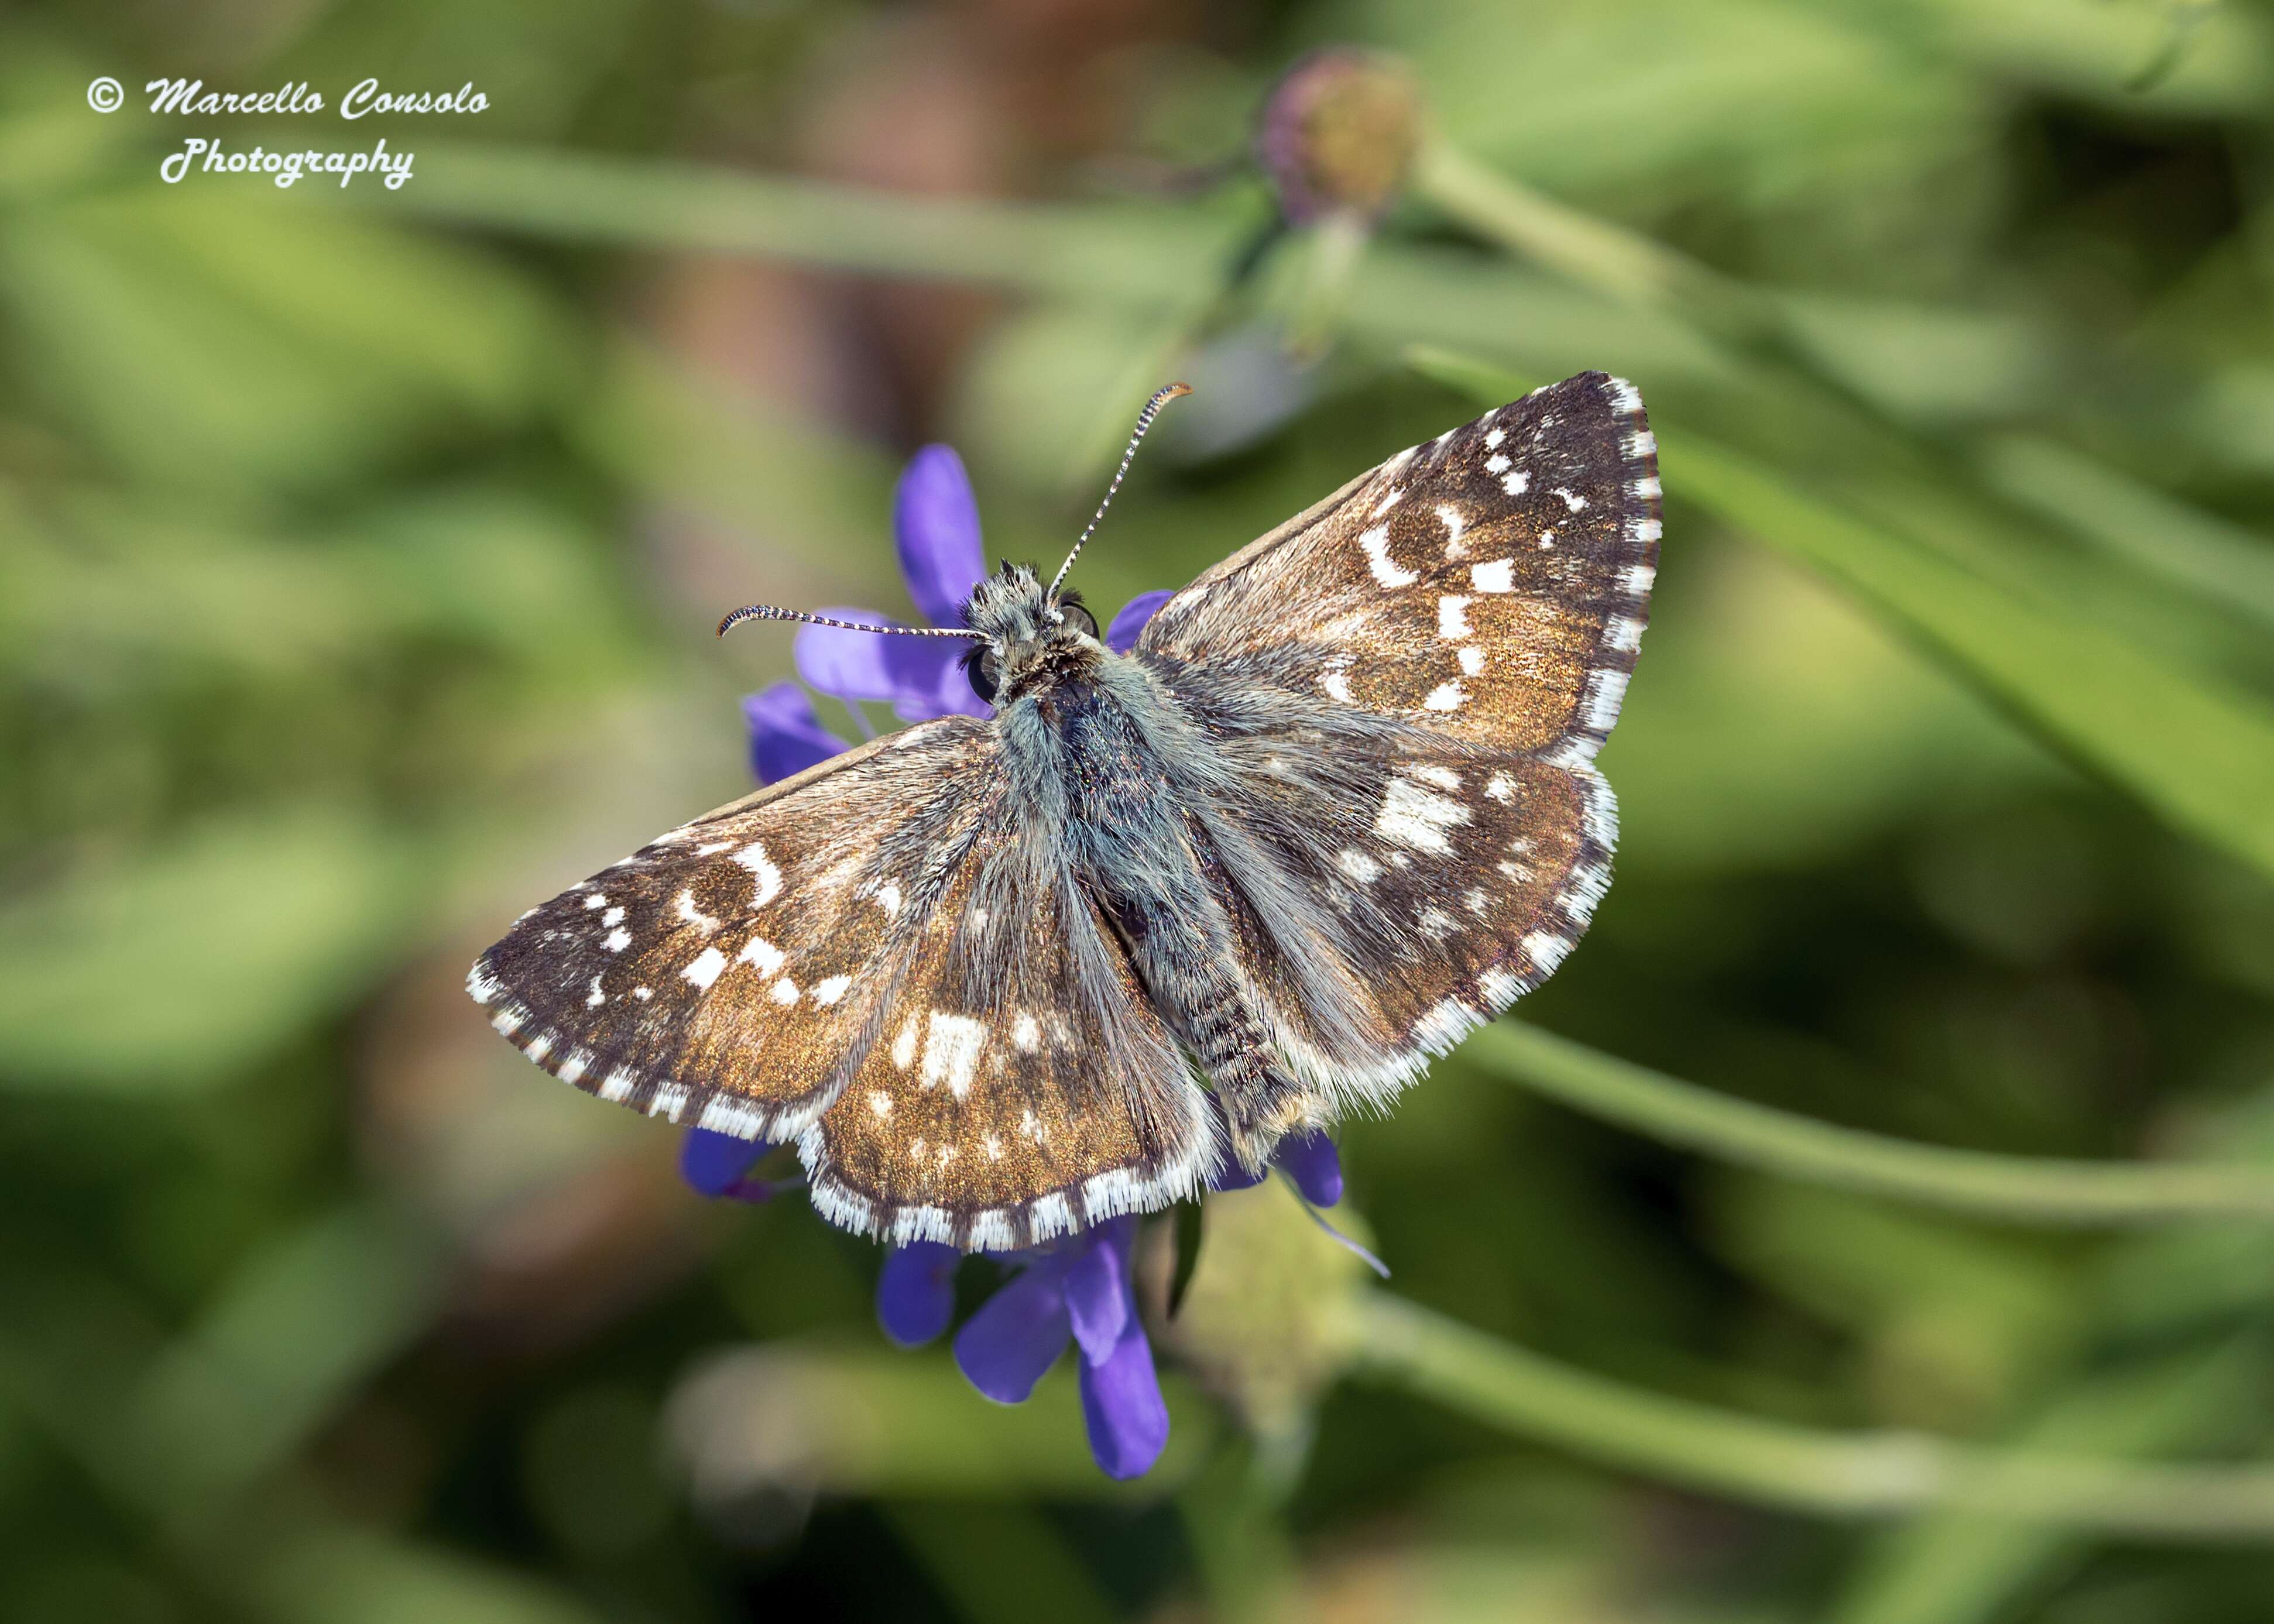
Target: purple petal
x,y
785,736
1016,1336
1121,1402
936,523
933,682
1097,1298
1232,1176
922,676
1121,636
714,1163
1313,1163
915,1292
850,664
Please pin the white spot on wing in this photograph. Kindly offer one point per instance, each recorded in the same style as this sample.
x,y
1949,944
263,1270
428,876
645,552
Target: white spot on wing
x,y
783,992
1445,697
1500,787
617,940
1358,865
1571,499
704,968
1338,686
1376,543
1454,526
1497,576
1516,484
597,997
1443,778
1418,817
880,1102
828,992
904,1047
1026,1035
693,915
767,878
759,952
952,1046
1452,617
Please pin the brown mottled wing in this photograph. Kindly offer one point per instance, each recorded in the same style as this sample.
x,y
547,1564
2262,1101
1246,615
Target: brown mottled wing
x,y
1444,644
1024,1087
730,973
1491,585
881,928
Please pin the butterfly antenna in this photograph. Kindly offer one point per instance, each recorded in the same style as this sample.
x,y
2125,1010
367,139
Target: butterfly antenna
x,y
767,611
1161,397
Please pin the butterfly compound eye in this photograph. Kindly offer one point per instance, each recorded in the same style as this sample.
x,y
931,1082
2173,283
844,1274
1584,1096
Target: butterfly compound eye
x,y
986,677
1079,617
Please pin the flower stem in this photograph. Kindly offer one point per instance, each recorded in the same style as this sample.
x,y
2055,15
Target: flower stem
x,y
1802,1469
1593,253
2027,1188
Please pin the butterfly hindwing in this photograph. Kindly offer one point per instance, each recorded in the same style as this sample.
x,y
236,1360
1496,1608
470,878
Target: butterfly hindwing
x,y
1024,1087
1409,683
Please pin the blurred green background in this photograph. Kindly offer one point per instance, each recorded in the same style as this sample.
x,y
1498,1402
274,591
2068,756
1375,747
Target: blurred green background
x,y
358,554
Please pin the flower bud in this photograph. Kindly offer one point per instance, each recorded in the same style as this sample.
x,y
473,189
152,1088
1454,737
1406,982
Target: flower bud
x,y
1339,135
1263,1324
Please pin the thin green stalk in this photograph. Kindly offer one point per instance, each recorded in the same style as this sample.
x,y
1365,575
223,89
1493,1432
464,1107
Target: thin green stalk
x,y
1589,252
2023,1188
1801,1469
1140,255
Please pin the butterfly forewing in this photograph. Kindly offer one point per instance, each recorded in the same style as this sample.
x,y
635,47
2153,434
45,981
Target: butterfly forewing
x,y
724,974
1491,584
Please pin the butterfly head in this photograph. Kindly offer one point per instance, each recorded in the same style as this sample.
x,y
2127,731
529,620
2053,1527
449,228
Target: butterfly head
x,y
1033,636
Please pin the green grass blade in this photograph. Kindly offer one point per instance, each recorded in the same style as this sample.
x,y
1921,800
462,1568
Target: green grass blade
x,y
2026,1189
1821,1472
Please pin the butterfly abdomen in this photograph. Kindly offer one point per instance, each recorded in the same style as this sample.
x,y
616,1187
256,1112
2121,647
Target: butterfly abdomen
x,y
1142,853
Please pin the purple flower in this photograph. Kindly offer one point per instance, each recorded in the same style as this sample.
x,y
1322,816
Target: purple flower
x,y
1310,1162
718,1165
935,525
1077,1290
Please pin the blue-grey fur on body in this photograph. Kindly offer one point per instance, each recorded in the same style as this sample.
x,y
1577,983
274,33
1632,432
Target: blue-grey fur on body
x,y
1137,785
